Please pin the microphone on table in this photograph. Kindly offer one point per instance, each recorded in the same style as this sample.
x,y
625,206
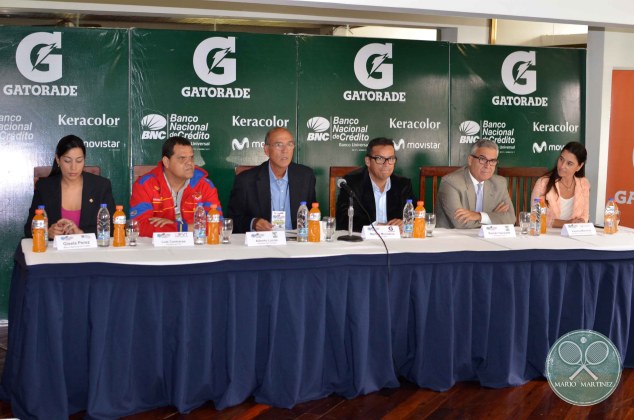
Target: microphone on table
x,y
342,184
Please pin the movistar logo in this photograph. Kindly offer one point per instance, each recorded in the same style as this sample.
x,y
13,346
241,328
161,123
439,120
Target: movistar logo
x,y
239,145
538,148
516,73
399,144
34,57
371,68
212,63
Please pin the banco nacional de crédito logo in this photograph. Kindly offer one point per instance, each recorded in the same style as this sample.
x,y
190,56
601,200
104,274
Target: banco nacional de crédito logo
x,y
517,75
36,57
213,63
583,367
371,66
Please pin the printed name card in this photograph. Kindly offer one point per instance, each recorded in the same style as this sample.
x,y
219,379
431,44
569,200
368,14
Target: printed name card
x,y
386,232
79,241
265,238
172,239
497,231
578,229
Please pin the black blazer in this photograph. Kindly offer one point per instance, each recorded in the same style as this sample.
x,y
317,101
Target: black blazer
x,y
48,191
251,194
359,181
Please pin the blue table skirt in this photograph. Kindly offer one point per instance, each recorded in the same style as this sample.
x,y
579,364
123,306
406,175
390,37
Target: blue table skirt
x,y
114,339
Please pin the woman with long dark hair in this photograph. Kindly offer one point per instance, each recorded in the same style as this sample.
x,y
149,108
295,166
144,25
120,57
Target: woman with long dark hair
x,y
565,188
71,196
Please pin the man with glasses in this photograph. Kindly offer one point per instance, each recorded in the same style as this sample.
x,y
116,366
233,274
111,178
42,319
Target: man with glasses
x,y
164,199
381,192
473,196
268,196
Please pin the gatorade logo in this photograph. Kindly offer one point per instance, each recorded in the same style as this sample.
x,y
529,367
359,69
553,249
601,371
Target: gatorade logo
x,y
35,57
371,67
516,75
212,62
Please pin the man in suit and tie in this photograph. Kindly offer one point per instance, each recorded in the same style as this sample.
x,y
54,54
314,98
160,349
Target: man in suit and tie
x,y
381,192
270,193
474,196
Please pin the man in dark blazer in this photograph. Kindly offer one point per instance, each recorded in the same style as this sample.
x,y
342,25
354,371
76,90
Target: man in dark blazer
x,y
276,185
377,187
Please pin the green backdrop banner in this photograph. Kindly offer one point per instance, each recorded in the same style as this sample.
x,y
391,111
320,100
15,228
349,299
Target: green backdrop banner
x,y
53,84
352,90
223,91
531,101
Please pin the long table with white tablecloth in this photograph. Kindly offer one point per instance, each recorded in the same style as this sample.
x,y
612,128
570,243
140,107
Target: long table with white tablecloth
x,y
118,331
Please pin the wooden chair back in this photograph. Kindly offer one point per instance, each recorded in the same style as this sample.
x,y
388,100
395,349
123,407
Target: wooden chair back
x,y
336,172
432,175
241,168
140,170
521,181
44,171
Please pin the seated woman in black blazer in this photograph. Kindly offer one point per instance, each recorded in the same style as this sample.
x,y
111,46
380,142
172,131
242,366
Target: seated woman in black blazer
x,y
71,196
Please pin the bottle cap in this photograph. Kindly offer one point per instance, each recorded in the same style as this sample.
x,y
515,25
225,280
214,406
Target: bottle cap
x,y
302,203
104,205
119,207
315,205
41,207
213,206
38,211
409,200
199,204
420,203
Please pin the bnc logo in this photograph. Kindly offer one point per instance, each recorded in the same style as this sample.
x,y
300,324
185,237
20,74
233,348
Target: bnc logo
x,y
35,59
245,144
516,75
468,131
211,63
398,144
152,126
370,67
319,126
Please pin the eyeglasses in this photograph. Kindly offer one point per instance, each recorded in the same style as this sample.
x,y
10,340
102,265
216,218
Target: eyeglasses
x,y
381,160
483,161
280,146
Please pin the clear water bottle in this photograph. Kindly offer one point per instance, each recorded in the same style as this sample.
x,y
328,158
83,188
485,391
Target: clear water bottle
x,y
302,222
41,207
200,225
103,226
408,219
535,226
609,217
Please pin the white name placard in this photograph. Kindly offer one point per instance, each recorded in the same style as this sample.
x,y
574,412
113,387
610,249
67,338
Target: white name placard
x,y
497,231
172,239
578,229
265,238
386,232
79,241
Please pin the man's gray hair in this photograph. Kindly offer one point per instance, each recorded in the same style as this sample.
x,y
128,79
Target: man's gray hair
x,y
484,143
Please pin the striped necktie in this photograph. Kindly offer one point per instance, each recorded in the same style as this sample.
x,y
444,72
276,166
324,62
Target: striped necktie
x,y
479,198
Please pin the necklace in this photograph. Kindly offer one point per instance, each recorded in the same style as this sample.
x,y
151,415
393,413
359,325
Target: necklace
x,y
572,184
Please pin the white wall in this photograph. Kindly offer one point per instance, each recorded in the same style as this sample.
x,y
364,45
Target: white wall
x,y
539,34
608,50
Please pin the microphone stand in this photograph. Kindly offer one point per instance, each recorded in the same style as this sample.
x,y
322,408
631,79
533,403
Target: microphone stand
x,y
350,237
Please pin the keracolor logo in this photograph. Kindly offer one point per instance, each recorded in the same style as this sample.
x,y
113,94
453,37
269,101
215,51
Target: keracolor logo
x,y
319,126
211,63
371,68
516,75
35,57
153,127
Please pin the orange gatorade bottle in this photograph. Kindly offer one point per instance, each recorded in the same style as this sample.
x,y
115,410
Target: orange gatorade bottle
x,y
419,220
38,228
213,226
118,219
314,228
542,215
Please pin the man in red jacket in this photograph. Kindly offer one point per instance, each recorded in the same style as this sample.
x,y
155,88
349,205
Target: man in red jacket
x,y
164,199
